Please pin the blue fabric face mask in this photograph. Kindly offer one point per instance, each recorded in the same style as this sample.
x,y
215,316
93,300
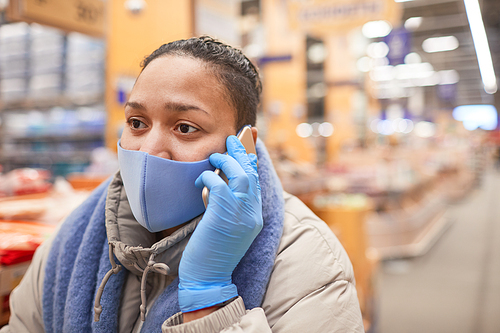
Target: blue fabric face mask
x,y
161,192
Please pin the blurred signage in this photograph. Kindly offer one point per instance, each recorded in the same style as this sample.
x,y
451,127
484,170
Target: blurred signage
x,y
85,16
265,60
336,16
399,42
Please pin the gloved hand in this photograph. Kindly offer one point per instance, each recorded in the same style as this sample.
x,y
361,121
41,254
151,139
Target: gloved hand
x,y
231,222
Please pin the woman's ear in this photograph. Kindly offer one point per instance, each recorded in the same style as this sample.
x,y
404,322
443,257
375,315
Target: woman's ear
x,y
254,134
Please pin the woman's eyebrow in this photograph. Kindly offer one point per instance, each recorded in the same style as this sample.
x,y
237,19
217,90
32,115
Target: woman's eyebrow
x,y
135,105
175,106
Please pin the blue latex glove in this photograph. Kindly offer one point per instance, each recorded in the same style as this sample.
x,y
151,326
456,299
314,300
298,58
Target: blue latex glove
x,y
231,222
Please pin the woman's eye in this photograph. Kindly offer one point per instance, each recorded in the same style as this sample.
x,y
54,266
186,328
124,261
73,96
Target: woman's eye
x,y
185,128
136,124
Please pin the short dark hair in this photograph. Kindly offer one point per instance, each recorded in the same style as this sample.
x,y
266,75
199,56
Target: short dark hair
x,y
231,67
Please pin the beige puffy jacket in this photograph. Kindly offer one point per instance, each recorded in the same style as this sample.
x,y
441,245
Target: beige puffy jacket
x,y
311,288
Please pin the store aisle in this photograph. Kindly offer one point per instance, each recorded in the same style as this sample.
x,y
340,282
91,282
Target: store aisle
x,y
455,287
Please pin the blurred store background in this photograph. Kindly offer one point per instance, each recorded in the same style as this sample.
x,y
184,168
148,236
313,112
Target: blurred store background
x,y
381,115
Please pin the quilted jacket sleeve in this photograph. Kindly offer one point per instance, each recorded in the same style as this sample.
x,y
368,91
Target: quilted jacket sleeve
x,y
312,287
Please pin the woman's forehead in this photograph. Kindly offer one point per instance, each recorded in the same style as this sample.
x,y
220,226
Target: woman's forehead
x,y
184,80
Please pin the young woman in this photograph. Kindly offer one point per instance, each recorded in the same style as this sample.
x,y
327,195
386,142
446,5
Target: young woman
x,y
142,254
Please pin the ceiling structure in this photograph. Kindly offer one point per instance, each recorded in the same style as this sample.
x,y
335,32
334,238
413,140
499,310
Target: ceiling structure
x,y
445,18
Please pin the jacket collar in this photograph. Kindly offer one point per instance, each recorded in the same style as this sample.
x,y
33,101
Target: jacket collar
x,y
133,244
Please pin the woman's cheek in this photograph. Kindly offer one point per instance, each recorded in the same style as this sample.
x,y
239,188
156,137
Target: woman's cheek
x,y
127,142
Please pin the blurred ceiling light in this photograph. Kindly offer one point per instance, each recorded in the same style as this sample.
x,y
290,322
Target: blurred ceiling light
x,y
431,80
413,58
382,73
317,53
402,0
401,125
414,71
425,129
304,130
315,129
449,77
253,51
396,122
375,29
440,44
413,23
377,62
317,90
406,126
481,45
135,6
474,116
363,64
373,125
325,129
384,127
377,50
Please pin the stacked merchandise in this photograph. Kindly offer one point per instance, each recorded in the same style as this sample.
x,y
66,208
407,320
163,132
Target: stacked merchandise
x,y
58,139
51,98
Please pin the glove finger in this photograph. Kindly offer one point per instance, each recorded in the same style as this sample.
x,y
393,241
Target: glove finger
x,y
253,161
209,179
238,179
236,149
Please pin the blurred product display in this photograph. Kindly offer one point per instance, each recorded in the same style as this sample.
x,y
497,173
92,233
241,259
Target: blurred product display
x,y
51,98
24,181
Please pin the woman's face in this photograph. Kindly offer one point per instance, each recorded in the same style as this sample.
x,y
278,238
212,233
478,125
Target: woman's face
x,y
178,110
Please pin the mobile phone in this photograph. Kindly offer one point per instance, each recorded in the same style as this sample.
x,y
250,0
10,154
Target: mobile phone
x,y
246,138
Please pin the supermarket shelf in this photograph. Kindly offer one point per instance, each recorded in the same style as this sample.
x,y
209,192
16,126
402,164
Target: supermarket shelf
x,y
45,103
76,137
32,156
422,242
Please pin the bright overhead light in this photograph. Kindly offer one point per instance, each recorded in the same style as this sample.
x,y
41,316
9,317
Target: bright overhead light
x,y
414,71
474,116
304,130
382,73
440,44
402,0
377,62
448,77
413,23
413,58
425,129
317,53
363,64
377,50
481,45
375,29
384,127
325,129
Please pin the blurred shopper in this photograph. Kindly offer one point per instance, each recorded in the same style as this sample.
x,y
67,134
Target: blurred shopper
x,y
257,260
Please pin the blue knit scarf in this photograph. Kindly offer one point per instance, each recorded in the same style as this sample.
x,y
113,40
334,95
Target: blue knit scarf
x,y
79,259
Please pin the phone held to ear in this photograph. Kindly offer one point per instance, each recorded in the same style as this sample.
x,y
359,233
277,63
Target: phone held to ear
x,y
246,138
